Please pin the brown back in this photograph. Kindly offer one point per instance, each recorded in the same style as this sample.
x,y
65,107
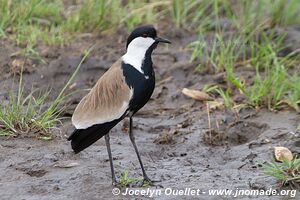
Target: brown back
x,y
107,100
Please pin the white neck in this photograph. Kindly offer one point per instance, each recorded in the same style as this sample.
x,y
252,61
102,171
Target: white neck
x,y
136,51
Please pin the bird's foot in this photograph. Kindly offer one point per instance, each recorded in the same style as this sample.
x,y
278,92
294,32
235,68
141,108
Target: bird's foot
x,y
115,183
148,182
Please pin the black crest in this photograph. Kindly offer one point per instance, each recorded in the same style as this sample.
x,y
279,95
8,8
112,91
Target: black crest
x,y
142,31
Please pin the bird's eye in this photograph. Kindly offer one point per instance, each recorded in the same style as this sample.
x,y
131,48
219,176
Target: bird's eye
x,y
145,35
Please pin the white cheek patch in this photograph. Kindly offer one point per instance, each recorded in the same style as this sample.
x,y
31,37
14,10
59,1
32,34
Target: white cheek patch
x,y
136,51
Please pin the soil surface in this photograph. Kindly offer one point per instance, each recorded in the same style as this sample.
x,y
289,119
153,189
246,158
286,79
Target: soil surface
x,y
172,131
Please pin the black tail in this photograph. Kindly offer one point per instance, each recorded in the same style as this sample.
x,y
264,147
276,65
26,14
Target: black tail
x,y
83,138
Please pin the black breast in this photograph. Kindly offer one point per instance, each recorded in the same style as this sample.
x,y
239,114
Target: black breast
x,y
142,84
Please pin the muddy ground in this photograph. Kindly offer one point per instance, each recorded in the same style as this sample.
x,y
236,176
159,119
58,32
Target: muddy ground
x,y
171,130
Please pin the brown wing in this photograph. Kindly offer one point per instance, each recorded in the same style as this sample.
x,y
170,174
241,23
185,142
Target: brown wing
x,y
107,100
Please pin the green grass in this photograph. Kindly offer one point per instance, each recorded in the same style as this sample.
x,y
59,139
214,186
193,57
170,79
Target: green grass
x,y
248,16
287,172
293,94
220,54
91,15
52,22
25,114
272,84
192,14
126,181
251,47
98,15
228,103
30,22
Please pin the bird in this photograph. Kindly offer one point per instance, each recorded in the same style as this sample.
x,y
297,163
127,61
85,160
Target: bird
x,y
120,92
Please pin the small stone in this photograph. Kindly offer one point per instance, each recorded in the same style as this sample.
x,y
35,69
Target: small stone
x,y
282,154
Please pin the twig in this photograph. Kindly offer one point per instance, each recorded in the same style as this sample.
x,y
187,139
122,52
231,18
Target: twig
x,y
164,81
209,122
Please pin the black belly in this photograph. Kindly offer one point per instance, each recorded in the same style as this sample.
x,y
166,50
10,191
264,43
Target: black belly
x,y
142,87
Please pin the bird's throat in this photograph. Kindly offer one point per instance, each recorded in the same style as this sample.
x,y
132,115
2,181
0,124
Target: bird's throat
x,y
140,59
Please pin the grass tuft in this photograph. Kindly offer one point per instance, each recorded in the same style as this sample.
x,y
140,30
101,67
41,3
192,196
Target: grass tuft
x,y
287,172
26,114
29,114
272,85
126,181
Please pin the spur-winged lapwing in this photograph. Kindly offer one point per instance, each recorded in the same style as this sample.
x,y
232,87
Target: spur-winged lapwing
x,y
124,89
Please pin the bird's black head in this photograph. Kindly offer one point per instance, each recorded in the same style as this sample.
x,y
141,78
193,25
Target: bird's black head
x,y
144,35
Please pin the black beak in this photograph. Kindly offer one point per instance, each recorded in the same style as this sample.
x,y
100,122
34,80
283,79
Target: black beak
x,y
159,39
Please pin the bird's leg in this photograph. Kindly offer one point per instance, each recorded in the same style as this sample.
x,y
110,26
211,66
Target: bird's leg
x,y
114,180
132,139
